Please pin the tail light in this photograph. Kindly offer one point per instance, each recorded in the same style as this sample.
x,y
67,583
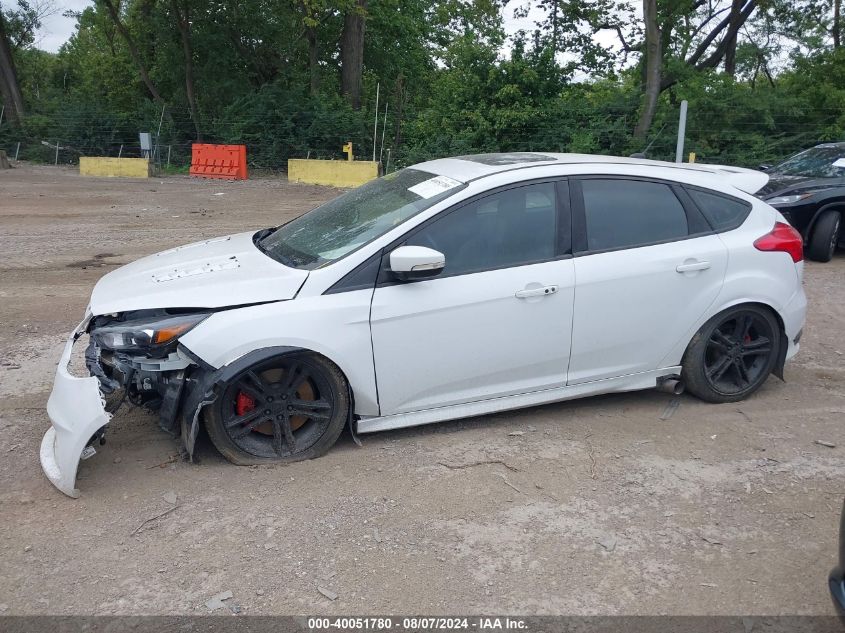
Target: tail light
x,y
782,238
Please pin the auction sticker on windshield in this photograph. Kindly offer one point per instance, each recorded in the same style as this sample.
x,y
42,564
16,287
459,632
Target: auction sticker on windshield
x,y
434,186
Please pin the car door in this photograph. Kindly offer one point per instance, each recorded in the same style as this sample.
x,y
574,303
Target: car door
x,y
647,267
497,320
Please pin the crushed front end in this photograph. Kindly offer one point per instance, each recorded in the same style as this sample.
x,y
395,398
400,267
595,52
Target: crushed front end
x,y
132,357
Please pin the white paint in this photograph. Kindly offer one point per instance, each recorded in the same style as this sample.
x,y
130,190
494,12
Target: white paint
x,y
464,338
451,347
77,411
633,305
633,382
406,259
210,274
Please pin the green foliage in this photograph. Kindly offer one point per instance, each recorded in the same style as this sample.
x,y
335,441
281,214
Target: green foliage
x,y
277,125
449,81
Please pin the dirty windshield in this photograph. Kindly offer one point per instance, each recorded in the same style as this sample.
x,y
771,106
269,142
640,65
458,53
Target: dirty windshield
x,y
818,162
337,228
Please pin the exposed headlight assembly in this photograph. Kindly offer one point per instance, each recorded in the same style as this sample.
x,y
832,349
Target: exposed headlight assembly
x,y
145,334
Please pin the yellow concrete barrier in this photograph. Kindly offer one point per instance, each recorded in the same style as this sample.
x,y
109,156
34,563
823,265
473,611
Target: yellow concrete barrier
x,y
126,167
336,173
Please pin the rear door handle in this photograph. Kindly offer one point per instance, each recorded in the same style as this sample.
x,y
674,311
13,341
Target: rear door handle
x,y
692,265
535,292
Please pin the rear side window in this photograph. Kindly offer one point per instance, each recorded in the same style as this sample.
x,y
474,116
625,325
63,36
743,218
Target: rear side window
x,y
627,213
723,213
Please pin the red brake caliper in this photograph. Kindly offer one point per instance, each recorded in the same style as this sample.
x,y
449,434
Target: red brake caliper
x,y
244,403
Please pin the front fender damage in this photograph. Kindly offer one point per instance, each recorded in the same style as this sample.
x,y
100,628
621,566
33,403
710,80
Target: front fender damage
x,y
206,383
178,387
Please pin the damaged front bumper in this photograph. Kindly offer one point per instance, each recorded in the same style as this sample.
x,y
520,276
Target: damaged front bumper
x,y
172,383
77,411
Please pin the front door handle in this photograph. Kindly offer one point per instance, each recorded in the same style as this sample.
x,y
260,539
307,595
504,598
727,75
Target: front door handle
x,y
693,265
535,292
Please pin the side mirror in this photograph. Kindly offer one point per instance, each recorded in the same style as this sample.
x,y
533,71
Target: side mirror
x,y
409,263
764,167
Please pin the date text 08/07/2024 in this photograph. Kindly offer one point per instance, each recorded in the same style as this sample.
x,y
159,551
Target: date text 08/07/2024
x,y
417,623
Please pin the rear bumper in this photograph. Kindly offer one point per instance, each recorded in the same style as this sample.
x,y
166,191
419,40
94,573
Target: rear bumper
x,y
794,314
77,411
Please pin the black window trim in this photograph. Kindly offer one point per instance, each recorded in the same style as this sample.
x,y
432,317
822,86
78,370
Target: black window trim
x,y
748,206
349,282
579,216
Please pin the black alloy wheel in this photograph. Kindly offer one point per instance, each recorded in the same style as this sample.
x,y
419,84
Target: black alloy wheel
x,y
737,353
287,408
732,354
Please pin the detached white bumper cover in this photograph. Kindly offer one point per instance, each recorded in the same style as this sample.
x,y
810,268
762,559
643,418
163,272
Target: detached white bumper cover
x,y
77,411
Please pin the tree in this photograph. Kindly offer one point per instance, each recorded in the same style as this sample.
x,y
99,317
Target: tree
x,y
352,53
182,13
9,85
673,31
653,68
133,50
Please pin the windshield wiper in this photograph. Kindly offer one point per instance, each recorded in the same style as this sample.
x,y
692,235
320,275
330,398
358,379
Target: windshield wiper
x,y
258,240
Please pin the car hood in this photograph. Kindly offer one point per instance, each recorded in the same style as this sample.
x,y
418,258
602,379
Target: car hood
x,y
780,184
215,273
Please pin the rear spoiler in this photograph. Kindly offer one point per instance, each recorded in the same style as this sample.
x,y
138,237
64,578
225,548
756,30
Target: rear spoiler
x,y
747,180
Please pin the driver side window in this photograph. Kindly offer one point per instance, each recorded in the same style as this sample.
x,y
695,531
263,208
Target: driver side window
x,y
510,228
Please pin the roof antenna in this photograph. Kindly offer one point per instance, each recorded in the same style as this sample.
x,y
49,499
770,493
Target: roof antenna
x,y
648,147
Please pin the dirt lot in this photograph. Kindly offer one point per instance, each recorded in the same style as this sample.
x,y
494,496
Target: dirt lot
x,y
594,506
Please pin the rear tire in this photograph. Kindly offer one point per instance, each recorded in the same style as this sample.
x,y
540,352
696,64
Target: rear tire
x,y
285,409
732,354
822,243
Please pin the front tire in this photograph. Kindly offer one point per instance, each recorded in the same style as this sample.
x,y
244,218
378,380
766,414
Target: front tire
x,y
732,354
284,409
822,243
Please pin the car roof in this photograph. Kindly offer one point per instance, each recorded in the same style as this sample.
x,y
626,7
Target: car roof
x,y
473,167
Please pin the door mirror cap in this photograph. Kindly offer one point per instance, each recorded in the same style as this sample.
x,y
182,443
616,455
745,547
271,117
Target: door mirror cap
x,y
409,263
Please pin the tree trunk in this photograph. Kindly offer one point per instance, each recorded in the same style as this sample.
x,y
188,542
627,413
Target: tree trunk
x,y
133,50
313,59
837,17
10,89
352,53
653,54
733,28
183,21
400,108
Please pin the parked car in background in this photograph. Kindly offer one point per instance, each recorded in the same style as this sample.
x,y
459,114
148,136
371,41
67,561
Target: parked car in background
x,y
836,581
454,288
809,190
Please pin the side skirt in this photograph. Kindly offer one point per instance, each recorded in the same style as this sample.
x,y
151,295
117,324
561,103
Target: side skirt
x,y
631,382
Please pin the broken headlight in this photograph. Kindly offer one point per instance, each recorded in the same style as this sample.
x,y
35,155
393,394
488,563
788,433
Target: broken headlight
x,y
145,334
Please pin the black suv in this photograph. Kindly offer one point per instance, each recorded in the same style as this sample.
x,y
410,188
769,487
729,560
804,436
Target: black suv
x,y
809,190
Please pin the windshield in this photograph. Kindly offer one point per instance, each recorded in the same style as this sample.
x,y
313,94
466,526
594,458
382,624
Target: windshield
x,y
337,228
818,162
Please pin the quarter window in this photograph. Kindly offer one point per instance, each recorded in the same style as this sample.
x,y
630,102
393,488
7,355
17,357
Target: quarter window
x,y
626,213
509,228
722,213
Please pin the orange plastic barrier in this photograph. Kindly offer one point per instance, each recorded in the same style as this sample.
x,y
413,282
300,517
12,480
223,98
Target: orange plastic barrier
x,y
218,161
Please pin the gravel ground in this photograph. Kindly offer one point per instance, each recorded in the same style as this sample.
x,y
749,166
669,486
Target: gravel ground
x,y
596,506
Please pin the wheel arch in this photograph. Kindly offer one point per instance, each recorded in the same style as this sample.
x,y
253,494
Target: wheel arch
x,y
784,341
205,380
837,205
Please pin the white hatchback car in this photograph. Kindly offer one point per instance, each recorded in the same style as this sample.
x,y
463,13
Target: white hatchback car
x,y
453,288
